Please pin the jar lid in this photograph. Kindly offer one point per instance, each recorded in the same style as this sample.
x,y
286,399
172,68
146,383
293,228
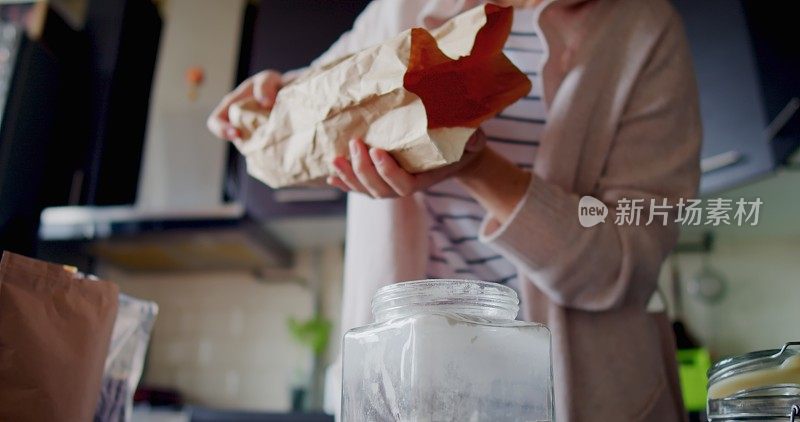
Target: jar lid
x,y
750,362
759,385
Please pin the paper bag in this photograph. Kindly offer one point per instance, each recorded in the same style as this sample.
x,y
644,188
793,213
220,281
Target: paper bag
x,y
420,96
125,361
55,328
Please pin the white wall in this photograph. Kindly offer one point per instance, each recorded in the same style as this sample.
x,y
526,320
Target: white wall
x,y
222,339
331,262
761,306
761,267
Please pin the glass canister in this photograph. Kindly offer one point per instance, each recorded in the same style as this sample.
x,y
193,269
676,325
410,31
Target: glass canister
x,y
447,350
758,386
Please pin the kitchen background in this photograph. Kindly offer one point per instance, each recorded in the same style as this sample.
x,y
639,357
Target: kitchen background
x,y
105,164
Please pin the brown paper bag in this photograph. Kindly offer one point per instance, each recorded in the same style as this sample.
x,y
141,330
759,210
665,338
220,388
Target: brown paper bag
x,y
55,328
420,96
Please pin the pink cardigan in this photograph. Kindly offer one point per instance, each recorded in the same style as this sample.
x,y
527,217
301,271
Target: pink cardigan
x,y
624,122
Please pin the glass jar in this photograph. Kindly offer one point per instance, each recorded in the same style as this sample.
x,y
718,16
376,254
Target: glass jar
x,y
758,386
447,350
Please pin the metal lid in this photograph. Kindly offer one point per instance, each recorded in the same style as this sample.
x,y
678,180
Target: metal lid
x,y
734,400
749,362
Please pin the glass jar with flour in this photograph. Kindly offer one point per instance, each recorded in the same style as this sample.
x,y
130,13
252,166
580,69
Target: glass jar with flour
x,y
447,350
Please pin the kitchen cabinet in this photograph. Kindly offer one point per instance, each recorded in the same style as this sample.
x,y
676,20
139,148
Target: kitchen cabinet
x,y
74,108
28,77
122,43
744,64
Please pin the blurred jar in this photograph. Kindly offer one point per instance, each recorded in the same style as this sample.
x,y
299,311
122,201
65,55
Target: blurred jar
x,y
447,350
758,386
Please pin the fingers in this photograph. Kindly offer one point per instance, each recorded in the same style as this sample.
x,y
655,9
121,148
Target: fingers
x,y
402,182
473,150
219,125
366,172
218,122
336,182
265,87
374,173
476,142
221,128
345,174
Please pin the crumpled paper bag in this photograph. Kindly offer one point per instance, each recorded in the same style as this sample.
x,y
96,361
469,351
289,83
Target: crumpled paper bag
x,y
55,327
420,96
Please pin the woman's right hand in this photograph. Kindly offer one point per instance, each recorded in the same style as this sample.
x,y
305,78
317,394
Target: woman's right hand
x,y
263,87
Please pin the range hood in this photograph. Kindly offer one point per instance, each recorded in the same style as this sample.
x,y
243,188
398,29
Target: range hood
x,y
137,241
180,219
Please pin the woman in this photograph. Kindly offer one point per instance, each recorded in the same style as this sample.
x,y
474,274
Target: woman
x,y
614,115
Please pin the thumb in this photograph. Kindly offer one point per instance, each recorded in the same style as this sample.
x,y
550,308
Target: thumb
x,y
477,142
265,88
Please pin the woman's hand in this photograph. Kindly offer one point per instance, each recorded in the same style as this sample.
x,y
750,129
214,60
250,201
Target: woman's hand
x,y
262,86
375,173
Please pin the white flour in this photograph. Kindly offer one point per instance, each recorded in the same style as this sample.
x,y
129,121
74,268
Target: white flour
x,y
436,367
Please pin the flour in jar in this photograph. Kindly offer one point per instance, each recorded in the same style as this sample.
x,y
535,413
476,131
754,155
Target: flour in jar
x,y
437,367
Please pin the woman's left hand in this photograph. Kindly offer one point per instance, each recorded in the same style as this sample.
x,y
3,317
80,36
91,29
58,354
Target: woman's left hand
x,y
374,172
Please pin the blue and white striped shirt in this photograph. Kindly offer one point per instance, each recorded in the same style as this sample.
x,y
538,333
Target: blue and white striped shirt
x,y
455,217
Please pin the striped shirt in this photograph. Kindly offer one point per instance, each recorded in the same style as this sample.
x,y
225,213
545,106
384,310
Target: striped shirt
x,y
455,217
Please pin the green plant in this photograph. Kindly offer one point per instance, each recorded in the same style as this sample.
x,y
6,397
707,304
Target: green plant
x,y
312,333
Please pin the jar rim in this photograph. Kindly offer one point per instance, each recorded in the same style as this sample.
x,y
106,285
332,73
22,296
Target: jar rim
x,y
472,296
772,403
751,362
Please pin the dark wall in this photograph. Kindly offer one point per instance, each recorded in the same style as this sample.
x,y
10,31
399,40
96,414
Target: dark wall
x,y
286,35
291,33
